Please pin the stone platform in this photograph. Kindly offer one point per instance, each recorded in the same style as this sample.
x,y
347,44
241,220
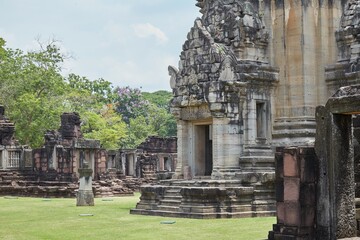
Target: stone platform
x,y
206,199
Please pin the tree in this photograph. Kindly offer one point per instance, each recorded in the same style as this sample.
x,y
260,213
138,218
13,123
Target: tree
x,y
130,103
31,87
106,126
162,120
138,131
160,98
35,95
100,88
2,49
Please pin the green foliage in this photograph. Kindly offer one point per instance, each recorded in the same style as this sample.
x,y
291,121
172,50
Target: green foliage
x,y
35,94
59,219
33,116
139,130
164,123
2,49
30,88
106,126
101,88
130,103
160,98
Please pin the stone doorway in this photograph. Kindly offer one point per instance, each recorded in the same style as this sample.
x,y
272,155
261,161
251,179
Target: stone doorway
x,y
202,146
336,145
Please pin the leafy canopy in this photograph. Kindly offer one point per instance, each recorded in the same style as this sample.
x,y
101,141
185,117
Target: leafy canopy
x,y
35,94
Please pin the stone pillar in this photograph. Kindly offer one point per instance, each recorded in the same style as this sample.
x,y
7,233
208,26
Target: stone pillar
x,y
183,148
296,177
85,195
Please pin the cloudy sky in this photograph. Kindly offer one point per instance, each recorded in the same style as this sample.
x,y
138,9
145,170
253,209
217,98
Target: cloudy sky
x,y
127,42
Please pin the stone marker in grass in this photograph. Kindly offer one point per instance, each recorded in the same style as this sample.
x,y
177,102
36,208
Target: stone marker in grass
x,y
85,195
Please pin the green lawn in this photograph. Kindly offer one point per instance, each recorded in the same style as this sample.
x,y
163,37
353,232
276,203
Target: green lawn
x,y
36,218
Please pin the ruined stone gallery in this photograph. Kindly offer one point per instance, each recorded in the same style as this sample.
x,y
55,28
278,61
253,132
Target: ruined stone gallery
x,y
66,157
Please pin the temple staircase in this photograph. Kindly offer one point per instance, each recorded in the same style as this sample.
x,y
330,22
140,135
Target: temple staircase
x,y
204,198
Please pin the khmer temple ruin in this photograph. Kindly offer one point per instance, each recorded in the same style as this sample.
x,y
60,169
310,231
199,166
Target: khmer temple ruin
x,y
250,77
266,97
55,169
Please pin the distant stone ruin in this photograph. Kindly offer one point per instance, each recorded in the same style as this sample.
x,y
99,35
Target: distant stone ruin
x,y
53,170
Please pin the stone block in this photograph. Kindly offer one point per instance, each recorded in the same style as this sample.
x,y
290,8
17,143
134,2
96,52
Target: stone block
x,y
280,212
308,194
85,198
308,216
291,189
291,165
308,168
292,214
187,172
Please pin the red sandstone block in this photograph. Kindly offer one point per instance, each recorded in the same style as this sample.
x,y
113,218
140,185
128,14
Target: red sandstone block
x,y
292,214
291,189
291,166
280,212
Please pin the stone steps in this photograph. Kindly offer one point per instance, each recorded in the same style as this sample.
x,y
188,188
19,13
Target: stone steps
x,y
205,199
200,215
168,208
169,202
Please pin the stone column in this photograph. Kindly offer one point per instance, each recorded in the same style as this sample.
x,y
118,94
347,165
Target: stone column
x,y
85,195
183,148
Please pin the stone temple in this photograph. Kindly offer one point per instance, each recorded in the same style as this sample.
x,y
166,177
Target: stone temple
x,y
250,76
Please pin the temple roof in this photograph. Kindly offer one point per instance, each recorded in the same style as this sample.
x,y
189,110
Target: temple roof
x,y
351,15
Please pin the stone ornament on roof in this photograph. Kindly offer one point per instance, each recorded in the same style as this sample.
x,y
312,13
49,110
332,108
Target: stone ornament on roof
x,y
234,23
348,35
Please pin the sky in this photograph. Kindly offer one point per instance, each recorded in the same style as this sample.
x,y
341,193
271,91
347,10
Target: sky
x,y
127,42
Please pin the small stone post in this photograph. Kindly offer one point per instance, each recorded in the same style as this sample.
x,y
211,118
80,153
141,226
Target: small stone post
x,y
85,195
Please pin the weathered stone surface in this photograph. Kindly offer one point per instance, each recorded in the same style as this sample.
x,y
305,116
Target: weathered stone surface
x,y
85,195
204,199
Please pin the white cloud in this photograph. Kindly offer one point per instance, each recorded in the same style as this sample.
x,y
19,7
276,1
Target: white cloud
x,y
145,30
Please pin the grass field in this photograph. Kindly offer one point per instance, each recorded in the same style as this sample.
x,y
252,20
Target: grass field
x,y
36,218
